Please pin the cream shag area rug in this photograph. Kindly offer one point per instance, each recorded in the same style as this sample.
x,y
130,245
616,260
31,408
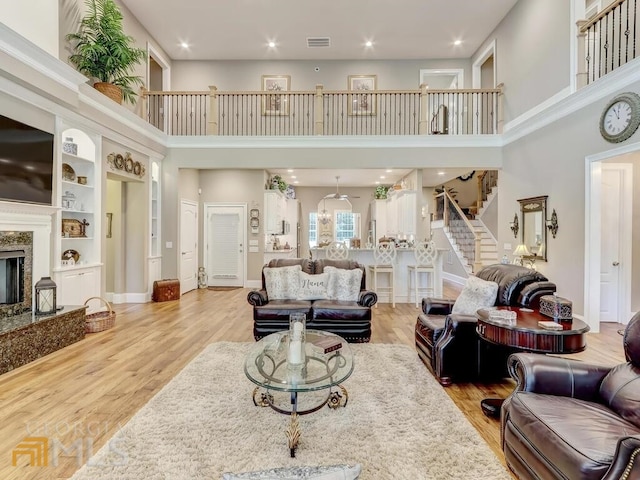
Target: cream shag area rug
x,y
398,424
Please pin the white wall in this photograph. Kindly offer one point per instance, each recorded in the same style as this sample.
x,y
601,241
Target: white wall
x,y
333,75
533,55
33,20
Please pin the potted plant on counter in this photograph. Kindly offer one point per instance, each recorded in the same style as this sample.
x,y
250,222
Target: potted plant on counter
x,y
103,52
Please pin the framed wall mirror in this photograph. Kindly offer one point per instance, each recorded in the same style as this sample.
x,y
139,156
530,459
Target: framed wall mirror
x,y
534,231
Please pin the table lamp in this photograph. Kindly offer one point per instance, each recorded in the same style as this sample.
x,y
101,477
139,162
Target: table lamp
x,y
521,251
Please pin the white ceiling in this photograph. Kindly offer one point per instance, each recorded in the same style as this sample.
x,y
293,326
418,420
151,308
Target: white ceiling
x,y
400,29
241,29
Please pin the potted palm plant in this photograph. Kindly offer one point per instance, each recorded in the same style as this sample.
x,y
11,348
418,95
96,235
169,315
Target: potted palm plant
x,y
104,53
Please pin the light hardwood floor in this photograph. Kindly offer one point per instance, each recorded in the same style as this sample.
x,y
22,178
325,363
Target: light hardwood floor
x,y
84,392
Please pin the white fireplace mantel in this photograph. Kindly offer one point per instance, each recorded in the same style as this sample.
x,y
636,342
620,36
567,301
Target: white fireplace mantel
x,y
25,217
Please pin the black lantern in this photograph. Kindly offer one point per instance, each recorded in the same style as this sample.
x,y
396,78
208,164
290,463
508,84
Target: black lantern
x,y
45,296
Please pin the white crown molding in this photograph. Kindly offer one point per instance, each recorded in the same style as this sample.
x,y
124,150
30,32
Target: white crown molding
x,y
21,209
565,103
18,47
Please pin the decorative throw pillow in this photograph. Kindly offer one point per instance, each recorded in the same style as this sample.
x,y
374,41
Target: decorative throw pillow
x,y
329,472
282,283
476,294
344,284
313,287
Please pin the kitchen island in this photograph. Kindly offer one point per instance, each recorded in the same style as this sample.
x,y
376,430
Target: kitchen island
x,y
404,258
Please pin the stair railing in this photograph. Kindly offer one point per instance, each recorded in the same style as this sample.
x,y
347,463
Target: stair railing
x,y
486,181
452,211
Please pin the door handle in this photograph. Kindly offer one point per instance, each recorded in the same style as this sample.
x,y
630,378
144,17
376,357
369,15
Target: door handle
x,y
615,264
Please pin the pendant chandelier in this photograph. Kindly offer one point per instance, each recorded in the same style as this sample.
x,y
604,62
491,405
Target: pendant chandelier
x,y
324,217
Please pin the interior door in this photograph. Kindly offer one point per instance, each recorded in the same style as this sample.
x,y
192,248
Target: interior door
x,y
188,246
225,227
611,204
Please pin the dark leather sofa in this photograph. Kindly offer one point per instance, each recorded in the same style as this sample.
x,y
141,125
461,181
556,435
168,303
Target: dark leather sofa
x,y
567,419
350,320
448,343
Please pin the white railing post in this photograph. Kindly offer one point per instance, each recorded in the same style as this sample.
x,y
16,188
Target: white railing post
x,y
581,70
212,124
500,110
144,104
318,120
423,122
477,263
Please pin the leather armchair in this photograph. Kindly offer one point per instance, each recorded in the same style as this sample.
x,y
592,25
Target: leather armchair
x,y
568,419
449,345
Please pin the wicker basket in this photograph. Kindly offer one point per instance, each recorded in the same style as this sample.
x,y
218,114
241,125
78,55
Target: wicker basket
x,y
110,90
99,321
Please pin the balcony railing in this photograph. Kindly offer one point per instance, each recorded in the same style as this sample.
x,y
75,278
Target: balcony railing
x,y
322,112
607,41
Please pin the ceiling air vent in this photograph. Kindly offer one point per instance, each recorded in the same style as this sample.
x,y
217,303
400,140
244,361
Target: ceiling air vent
x,y
317,42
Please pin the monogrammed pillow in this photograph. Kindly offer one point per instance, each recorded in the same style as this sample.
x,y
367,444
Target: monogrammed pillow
x,y
476,294
282,283
313,287
344,284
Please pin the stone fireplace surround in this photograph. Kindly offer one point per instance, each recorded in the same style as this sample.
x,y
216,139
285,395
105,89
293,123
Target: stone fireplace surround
x,y
23,336
38,219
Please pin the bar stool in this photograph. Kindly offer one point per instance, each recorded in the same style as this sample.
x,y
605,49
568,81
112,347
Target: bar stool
x,y
337,251
384,256
425,254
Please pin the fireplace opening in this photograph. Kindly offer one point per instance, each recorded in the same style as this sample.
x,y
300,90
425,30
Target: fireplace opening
x,y
12,276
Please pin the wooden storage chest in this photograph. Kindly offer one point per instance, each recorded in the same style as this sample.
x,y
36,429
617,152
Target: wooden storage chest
x,y
165,290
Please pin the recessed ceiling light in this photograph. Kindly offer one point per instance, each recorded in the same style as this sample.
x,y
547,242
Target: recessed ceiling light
x,y
382,177
457,42
388,170
272,44
377,183
290,170
296,181
184,44
368,43
440,173
293,176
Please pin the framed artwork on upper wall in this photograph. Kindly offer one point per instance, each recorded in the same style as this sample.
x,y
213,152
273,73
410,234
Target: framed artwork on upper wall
x,y
362,103
276,103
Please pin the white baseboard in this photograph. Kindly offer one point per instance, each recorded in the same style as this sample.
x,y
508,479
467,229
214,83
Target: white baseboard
x,y
117,298
454,278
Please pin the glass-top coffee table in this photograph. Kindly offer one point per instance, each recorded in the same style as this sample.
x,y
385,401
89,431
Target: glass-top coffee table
x,y
320,378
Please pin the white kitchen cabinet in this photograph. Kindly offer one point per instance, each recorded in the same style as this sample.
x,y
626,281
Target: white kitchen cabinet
x,y
407,211
379,215
275,210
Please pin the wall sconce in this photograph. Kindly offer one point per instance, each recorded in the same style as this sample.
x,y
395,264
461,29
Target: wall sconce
x,y
514,226
552,224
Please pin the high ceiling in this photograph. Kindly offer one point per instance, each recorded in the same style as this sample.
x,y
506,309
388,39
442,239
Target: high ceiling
x,y
242,29
402,29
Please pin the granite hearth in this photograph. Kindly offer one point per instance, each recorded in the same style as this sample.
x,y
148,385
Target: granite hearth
x,y
27,337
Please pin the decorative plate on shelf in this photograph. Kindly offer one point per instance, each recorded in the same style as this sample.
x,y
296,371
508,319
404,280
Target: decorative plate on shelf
x,y
67,254
118,161
128,165
68,173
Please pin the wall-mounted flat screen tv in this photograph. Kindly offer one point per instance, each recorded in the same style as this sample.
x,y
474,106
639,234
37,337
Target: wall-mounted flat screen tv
x,y
26,163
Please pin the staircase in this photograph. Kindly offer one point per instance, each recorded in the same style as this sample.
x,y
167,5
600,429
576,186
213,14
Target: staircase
x,y
463,240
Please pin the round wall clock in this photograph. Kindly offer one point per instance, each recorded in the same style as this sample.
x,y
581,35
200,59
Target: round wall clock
x,y
621,117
